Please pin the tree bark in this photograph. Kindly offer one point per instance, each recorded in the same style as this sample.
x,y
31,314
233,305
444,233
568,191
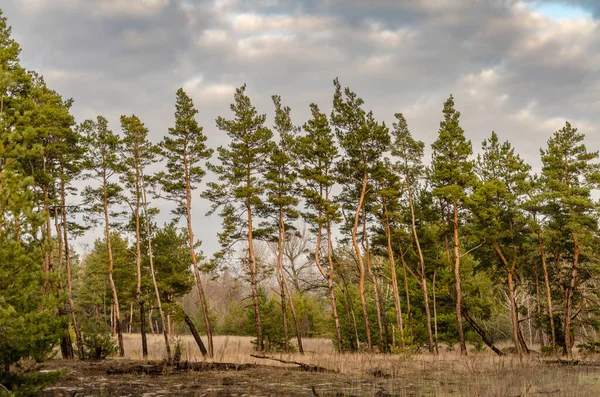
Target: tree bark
x,y
336,318
151,260
280,280
117,313
422,271
194,332
203,302
392,265
380,321
138,254
569,338
548,291
435,314
482,333
461,335
361,266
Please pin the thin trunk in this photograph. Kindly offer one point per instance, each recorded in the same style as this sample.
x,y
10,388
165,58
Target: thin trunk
x,y
329,277
548,292
422,270
260,345
138,254
392,265
435,314
350,314
542,339
150,321
117,312
280,280
130,318
294,317
361,266
336,318
513,306
194,332
151,261
407,291
569,337
513,316
461,335
66,343
482,333
203,302
378,305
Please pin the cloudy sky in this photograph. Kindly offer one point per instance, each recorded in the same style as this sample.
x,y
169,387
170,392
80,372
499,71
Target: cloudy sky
x,y
518,67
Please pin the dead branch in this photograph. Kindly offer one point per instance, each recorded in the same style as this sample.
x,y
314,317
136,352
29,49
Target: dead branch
x,y
303,366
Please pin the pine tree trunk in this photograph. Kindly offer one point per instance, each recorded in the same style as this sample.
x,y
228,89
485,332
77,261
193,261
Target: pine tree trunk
x,y
117,313
328,275
395,290
280,280
461,335
194,332
151,261
361,266
407,291
435,327
569,338
138,256
548,292
380,321
422,271
203,302
260,344
513,315
336,318
294,317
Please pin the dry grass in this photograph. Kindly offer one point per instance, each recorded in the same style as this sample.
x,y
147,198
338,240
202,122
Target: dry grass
x,y
479,374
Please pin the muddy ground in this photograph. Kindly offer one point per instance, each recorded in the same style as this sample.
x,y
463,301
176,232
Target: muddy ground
x,y
428,378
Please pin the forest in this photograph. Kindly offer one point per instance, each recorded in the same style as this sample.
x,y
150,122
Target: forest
x,y
336,227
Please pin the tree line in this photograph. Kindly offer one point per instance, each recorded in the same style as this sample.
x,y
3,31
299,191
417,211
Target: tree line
x,y
406,254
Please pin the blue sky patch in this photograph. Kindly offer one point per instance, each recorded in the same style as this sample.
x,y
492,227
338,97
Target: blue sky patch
x,y
561,10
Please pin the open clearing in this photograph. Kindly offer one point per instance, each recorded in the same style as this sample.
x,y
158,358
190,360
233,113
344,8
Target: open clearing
x,y
481,374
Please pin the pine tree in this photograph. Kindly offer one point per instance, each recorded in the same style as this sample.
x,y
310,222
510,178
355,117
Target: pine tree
x,y
282,204
185,150
139,154
102,163
241,170
501,223
317,154
570,173
409,153
452,179
364,141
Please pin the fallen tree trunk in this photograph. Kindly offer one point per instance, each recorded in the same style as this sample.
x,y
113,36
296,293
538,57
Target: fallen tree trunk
x,y
194,332
481,332
573,362
163,368
303,366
